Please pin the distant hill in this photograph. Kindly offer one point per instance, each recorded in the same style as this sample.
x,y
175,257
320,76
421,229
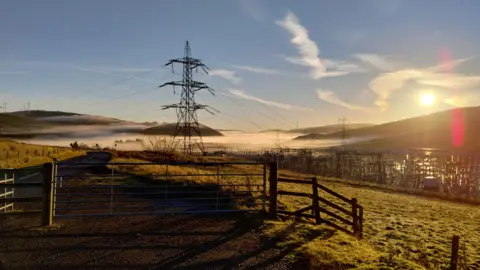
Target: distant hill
x,y
51,118
169,129
320,129
80,120
430,131
41,113
329,128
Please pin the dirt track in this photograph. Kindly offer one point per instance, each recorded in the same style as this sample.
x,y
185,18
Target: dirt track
x,y
217,241
145,242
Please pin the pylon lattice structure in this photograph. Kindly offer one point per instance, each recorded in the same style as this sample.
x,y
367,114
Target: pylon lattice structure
x,y
187,119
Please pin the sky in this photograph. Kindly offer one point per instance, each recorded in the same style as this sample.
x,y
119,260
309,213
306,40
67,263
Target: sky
x,y
273,63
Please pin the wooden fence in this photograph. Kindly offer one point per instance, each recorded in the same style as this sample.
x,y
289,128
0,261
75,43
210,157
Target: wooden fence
x,y
46,199
354,213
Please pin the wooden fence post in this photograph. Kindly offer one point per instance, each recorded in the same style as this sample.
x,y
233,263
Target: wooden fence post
x,y
454,256
47,192
360,222
273,181
316,206
355,216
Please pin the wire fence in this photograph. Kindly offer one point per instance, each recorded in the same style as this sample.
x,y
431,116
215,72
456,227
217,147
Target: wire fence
x,y
426,170
152,188
13,153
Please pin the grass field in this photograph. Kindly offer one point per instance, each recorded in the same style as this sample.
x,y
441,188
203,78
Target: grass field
x,y
17,155
413,228
400,231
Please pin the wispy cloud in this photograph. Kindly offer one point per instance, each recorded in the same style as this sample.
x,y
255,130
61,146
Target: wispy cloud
x,y
254,9
450,64
113,74
12,73
81,66
241,94
331,97
229,75
470,98
342,66
258,70
308,49
309,53
385,84
116,69
387,7
380,62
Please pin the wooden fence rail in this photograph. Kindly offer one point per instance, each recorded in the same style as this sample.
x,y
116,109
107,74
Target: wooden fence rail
x,y
354,213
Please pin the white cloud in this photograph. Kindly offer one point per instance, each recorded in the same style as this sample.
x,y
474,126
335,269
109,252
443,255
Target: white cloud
x,y
308,49
226,74
241,94
309,53
450,64
342,66
463,100
258,70
331,97
385,84
379,61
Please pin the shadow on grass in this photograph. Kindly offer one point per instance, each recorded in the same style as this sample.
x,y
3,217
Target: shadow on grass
x,y
163,246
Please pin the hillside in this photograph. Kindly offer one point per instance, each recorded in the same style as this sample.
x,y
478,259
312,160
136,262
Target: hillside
x,y
8,121
430,131
36,118
320,129
41,113
329,128
440,138
80,120
169,129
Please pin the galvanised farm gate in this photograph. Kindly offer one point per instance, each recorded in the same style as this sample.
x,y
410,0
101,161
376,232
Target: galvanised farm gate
x,y
112,189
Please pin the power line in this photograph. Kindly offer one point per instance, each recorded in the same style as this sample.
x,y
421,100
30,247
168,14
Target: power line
x,y
251,108
278,115
245,115
99,90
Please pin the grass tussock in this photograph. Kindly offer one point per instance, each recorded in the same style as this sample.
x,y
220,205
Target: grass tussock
x,y
324,248
18,155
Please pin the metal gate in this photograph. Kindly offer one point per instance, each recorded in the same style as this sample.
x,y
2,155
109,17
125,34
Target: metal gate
x,y
113,189
7,192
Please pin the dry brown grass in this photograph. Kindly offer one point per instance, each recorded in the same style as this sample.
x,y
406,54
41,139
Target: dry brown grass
x,y
17,155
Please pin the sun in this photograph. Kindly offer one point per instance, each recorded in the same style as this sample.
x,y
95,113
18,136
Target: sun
x,y
427,99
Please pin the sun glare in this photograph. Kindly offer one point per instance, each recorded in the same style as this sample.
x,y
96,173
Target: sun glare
x,y
427,99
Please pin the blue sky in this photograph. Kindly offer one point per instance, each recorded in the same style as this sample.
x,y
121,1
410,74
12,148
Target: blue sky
x,y
273,63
